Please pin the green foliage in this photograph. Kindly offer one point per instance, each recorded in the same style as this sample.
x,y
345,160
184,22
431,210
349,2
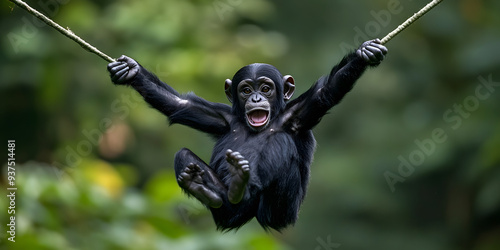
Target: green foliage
x,y
91,208
61,108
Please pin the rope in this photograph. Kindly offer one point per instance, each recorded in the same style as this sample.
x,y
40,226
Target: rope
x,y
410,20
64,31
68,33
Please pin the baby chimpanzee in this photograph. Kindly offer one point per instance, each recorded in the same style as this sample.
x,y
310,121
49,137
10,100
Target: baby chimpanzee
x,y
264,144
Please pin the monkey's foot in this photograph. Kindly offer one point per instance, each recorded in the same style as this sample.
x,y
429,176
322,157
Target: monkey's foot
x,y
190,179
240,173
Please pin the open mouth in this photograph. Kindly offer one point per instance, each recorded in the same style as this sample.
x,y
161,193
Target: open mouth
x,y
258,117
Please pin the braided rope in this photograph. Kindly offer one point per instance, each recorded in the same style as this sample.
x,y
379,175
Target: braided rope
x,y
410,20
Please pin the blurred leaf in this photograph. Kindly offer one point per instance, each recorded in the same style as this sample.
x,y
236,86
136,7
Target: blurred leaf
x,y
103,175
162,187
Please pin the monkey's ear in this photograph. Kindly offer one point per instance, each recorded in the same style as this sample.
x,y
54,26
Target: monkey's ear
x,y
288,87
227,89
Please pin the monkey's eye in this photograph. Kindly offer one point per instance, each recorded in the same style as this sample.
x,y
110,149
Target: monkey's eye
x,y
247,91
265,89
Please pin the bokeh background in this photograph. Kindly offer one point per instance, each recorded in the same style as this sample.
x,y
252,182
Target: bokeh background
x,y
409,160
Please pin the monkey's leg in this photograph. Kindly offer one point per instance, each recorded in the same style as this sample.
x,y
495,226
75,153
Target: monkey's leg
x,y
196,178
240,173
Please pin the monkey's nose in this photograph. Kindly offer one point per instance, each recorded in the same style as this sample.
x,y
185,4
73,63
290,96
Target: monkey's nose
x,y
256,98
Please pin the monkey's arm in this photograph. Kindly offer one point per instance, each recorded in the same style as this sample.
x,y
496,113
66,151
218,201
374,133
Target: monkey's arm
x,y
189,110
306,111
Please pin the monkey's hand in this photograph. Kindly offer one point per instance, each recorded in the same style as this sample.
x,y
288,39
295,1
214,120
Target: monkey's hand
x,y
123,70
372,52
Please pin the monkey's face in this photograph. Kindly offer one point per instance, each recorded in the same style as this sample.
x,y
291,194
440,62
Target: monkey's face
x,y
257,96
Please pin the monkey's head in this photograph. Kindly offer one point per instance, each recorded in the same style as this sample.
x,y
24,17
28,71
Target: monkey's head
x,y
259,93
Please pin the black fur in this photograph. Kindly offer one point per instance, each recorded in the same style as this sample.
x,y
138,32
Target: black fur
x,y
279,156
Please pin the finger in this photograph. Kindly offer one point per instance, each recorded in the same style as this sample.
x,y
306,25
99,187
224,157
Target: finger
x,y
118,75
113,64
370,55
366,58
243,162
121,76
371,49
197,167
117,68
122,58
245,168
380,47
365,55
239,157
377,52
132,73
132,63
358,52
115,77
365,44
